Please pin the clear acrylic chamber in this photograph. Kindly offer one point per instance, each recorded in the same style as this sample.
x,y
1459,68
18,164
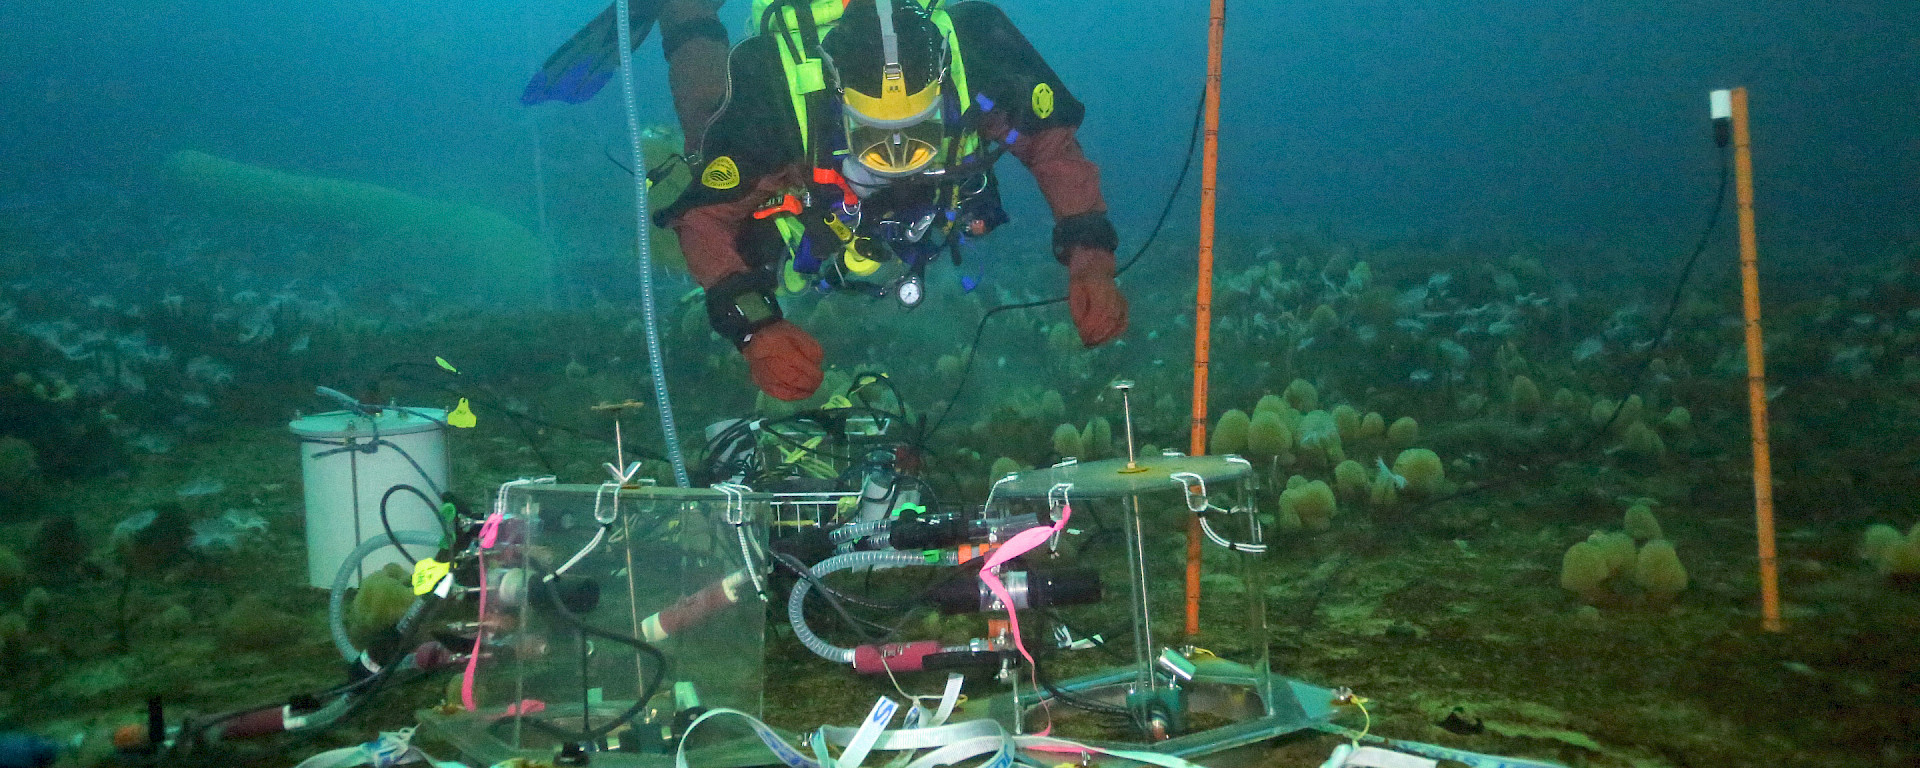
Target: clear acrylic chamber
x,y
557,664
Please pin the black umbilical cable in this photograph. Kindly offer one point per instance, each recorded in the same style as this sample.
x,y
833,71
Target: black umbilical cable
x,y
980,328
520,420
1639,369
387,526
832,596
648,688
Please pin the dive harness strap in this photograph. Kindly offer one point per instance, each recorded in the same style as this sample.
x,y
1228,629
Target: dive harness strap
x,y
816,127
741,305
1090,229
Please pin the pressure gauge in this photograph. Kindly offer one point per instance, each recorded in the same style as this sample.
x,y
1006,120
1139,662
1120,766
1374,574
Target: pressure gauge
x,y
910,291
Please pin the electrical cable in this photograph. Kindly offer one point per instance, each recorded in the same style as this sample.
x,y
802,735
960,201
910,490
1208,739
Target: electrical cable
x,y
387,526
832,596
1639,369
519,419
648,688
980,328
823,417
194,729
1066,697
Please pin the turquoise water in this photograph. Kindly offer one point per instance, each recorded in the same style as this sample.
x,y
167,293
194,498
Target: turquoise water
x,y
1475,218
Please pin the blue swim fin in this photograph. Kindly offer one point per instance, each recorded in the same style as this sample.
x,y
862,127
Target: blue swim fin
x,y
590,58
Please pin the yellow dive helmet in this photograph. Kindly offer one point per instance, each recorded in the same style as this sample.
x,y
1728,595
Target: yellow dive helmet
x,y
891,105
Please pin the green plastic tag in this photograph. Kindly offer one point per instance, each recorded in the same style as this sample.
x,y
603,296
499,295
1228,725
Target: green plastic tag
x,y
932,556
448,516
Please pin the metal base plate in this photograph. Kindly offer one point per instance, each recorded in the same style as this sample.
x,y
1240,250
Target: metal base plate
x,y
1234,698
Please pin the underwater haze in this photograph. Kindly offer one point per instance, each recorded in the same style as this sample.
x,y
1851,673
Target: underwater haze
x,y
1477,328
1575,121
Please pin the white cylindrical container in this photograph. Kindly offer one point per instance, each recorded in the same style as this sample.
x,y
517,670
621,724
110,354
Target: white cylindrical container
x,y
348,461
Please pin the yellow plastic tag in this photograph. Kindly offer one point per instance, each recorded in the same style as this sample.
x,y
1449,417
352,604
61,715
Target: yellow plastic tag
x,y
461,416
442,362
722,173
427,573
1042,100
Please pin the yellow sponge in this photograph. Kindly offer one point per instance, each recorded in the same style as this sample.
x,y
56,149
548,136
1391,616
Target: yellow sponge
x,y
1583,570
1066,441
1268,436
1230,433
1640,522
1351,479
1658,571
1311,502
1424,473
1404,432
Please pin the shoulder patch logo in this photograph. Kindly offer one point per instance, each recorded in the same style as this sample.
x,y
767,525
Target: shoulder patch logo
x,y
1042,100
721,173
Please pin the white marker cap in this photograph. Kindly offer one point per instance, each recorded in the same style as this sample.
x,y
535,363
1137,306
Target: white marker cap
x,y
1721,104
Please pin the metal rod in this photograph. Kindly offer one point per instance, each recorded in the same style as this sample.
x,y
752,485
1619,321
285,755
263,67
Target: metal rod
x,y
1142,613
1126,414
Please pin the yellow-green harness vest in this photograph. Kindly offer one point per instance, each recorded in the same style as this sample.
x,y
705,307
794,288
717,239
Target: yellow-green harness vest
x,y
807,76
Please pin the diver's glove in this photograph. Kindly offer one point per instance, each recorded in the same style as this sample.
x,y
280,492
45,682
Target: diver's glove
x,y
1099,309
1085,242
785,360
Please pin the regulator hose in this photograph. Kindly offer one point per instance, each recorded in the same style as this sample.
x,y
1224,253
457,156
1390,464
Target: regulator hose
x,y
643,226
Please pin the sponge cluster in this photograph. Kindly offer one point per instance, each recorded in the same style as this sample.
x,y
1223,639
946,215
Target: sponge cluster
x,y
1609,557
1891,553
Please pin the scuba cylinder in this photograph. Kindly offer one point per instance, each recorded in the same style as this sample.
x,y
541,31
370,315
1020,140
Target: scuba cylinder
x,y
876,494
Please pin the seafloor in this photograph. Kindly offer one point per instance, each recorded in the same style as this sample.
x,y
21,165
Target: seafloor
x,y
1443,605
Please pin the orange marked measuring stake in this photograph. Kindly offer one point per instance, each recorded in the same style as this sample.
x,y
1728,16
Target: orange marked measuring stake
x,y
1732,105
1203,300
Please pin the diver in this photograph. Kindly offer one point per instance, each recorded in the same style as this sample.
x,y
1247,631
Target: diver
x,y
845,137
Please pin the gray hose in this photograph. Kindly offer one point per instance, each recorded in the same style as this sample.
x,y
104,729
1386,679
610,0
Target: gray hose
x,y
878,530
336,602
875,559
643,224
854,531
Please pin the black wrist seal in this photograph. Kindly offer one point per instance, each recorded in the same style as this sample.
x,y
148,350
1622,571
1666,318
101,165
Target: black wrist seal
x,y
671,38
742,304
1089,229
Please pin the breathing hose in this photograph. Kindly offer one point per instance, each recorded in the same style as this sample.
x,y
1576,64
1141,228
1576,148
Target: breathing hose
x,y
336,601
643,226
796,613
856,531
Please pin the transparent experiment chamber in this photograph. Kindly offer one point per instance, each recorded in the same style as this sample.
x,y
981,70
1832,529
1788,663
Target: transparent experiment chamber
x,y
557,665
1183,695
